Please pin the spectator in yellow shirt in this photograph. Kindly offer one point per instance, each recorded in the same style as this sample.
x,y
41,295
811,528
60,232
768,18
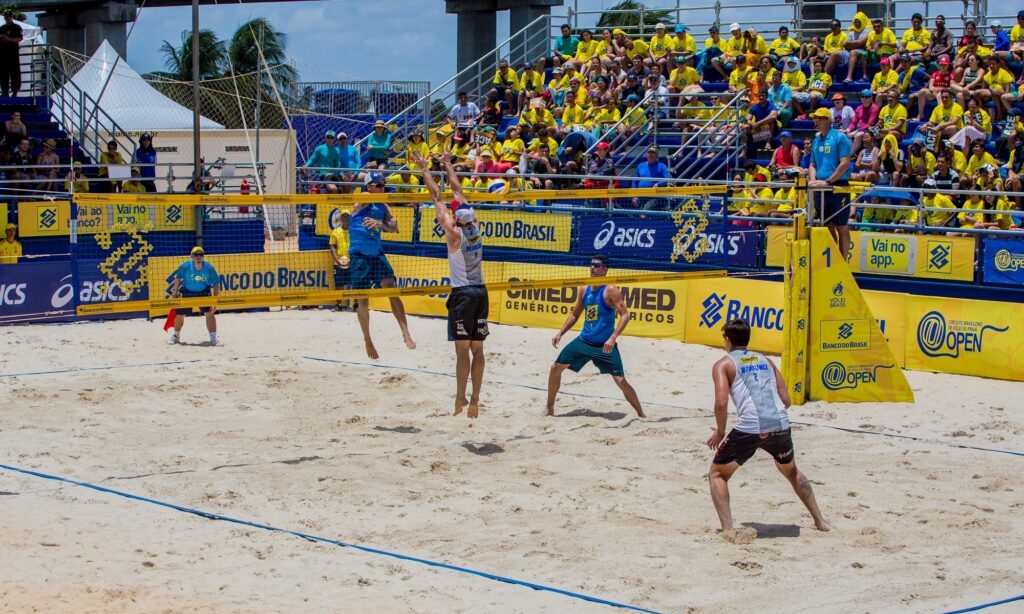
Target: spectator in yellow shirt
x,y
339,244
947,117
998,81
917,38
660,46
885,80
684,46
81,184
531,85
506,86
783,46
587,48
738,77
860,28
10,248
835,47
754,46
682,75
892,118
731,49
134,185
879,43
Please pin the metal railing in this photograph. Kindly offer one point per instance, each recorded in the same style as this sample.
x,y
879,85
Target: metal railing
x,y
80,115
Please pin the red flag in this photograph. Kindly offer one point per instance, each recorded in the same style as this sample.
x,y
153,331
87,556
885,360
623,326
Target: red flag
x,y
169,324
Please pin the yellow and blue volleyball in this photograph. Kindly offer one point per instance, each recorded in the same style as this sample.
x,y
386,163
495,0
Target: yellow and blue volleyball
x,y
498,186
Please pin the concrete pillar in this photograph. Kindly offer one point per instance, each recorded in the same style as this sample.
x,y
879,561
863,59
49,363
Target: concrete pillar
x,y
526,48
817,14
84,30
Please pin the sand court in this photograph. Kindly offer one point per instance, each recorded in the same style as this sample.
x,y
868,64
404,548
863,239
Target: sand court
x,y
289,425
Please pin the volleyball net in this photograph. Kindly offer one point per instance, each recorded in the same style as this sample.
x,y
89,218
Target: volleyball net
x,y
133,243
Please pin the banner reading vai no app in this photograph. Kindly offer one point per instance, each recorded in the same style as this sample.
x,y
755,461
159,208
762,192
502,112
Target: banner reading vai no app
x,y
328,217
966,337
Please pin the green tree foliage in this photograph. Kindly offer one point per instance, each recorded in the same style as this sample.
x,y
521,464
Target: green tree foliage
x,y
630,21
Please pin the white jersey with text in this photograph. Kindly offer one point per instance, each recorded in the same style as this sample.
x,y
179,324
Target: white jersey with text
x,y
759,409
466,262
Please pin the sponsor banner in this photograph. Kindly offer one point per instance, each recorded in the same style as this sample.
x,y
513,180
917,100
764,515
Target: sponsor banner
x,y
848,357
964,336
53,218
656,308
417,271
549,232
664,240
252,274
890,311
711,303
328,216
929,256
1004,261
36,291
3,215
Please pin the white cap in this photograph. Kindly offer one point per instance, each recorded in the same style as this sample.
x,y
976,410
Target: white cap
x,y
734,27
465,215
660,26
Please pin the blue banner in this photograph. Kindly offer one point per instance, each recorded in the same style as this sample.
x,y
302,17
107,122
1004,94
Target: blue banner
x,y
656,240
1004,261
36,292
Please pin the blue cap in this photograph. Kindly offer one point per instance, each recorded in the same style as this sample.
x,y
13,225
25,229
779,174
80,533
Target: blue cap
x,y
786,133
866,94
632,98
680,27
373,177
329,133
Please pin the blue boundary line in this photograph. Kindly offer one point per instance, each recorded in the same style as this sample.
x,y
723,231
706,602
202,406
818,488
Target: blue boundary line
x,y
986,605
325,540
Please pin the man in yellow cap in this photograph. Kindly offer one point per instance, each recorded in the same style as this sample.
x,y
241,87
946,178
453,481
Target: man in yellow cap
x,y
193,278
80,183
10,248
339,244
133,185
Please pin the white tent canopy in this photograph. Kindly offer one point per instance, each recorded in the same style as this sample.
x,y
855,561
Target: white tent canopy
x,y
30,34
125,96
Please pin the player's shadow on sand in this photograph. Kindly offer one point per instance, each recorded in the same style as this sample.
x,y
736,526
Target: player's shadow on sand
x,y
398,429
197,344
483,449
589,413
771,531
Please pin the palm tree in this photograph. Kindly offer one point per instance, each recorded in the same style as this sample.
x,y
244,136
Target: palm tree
x,y
245,57
178,60
631,21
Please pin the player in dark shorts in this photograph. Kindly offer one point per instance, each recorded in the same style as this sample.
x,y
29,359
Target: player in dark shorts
x,y
597,341
759,392
468,302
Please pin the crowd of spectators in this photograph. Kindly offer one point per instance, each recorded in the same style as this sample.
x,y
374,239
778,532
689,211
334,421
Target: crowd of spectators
x,y
924,109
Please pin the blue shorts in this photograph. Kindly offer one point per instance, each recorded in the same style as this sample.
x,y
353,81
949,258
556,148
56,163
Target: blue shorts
x,y
369,271
836,210
192,294
578,353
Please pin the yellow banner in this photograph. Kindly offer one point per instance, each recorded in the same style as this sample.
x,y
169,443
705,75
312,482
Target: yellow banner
x,y
329,216
966,337
890,311
928,256
53,218
520,229
712,303
253,200
848,357
656,308
253,274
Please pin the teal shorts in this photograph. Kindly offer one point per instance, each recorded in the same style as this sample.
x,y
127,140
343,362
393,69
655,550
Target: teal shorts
x,y
578,353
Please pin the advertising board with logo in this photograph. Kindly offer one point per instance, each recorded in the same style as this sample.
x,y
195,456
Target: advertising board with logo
x,y
713,302
964,336
890,311
550,232
657,309
36,292
53,218
927,256
848,357
1004,261
667,240
328,217
251,274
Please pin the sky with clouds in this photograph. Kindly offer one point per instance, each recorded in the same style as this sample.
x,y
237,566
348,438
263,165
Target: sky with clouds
x,y
337,40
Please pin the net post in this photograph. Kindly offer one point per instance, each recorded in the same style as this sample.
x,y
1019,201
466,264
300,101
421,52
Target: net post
x,y
796,295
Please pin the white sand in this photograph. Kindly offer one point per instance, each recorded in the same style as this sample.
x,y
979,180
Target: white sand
x,y
592,501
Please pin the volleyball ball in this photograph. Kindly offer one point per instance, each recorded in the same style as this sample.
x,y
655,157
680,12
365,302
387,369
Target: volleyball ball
x,y
498,186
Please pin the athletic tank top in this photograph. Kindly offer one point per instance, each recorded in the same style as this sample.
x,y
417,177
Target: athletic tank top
x,y
869,156
598,317
785,157
466,262
363,240
759,409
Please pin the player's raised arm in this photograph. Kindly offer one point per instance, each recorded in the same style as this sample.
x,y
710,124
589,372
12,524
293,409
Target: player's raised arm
x,y
453,179
440,209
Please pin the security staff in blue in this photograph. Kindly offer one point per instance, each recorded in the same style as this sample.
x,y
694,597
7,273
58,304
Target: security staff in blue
x,y
196,277
597,341
368,265
830,168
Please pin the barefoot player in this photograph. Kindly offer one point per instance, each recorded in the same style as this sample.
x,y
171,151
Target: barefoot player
x,y
761,398
468,302
369,266
596,342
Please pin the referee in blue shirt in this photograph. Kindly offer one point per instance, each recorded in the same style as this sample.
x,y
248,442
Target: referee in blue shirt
x,y
196,277
830,168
